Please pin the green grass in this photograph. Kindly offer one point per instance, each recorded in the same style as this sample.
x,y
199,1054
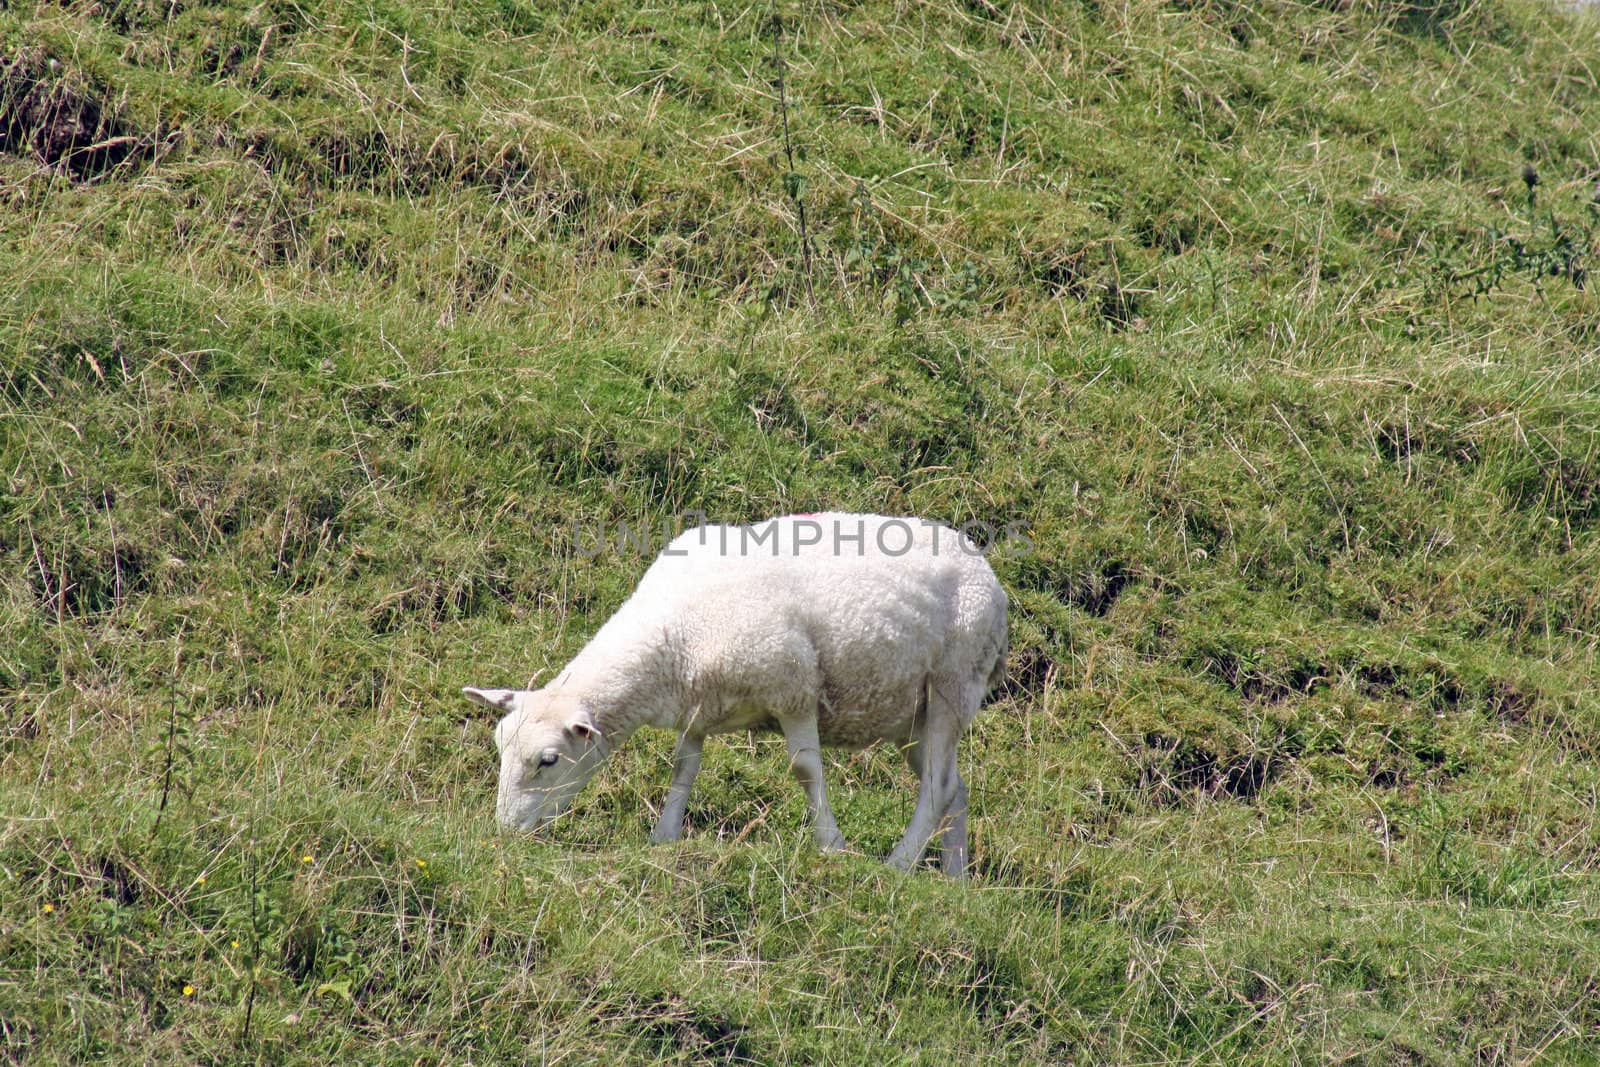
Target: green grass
x,y
323,323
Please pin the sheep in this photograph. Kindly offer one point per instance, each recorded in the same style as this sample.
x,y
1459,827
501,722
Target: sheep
x,y
835,629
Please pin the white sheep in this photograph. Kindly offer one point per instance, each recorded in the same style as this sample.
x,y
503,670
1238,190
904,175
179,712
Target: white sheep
x,y
836,629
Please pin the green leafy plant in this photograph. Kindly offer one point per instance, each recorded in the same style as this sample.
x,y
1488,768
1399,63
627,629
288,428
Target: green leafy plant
x,y
794,183
174,750
266,917
882,263
1547,247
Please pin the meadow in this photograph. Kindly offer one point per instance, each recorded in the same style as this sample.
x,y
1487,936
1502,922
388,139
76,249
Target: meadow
x,y
325,324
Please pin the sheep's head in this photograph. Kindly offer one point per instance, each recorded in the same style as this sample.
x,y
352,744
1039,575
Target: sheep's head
x,y
549,747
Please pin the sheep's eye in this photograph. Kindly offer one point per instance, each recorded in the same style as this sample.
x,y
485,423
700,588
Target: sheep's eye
x,y
549,759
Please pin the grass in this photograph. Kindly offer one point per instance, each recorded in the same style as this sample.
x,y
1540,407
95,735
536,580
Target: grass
x,y
324,323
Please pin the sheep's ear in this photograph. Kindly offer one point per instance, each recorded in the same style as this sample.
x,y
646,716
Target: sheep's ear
x,y
498,699
585,728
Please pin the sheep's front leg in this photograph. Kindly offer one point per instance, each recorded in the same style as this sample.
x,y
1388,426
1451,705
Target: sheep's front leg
x,y
953,841
805,760
953,844
934,757
685,765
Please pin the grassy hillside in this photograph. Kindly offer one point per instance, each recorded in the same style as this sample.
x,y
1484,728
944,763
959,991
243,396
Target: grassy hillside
x,y
323,323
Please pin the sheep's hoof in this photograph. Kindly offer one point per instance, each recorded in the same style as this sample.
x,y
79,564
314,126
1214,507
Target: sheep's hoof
x,y
900,861
832,843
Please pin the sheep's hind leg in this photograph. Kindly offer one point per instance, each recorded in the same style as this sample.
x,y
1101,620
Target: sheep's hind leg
x,y
805,761
685,765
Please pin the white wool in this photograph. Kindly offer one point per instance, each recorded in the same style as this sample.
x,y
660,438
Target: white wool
x,y
834,628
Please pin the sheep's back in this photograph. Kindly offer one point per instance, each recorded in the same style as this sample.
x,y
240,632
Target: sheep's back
x,y
841,626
